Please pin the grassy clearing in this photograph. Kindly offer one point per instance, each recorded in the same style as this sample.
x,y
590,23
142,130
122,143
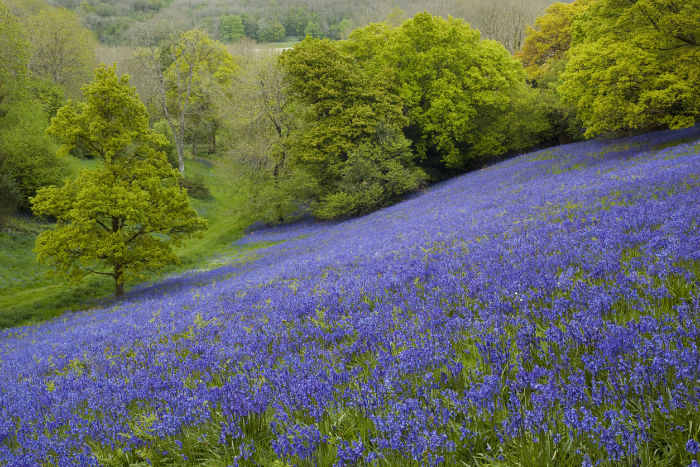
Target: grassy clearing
x,y
27,295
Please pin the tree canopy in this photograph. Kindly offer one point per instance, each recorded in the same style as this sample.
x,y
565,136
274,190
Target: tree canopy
x,y
455,88
124,217
62,51
547,43
347,107
633,66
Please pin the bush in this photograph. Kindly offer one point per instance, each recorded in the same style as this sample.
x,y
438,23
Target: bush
x,y
9,196
30,160
194,184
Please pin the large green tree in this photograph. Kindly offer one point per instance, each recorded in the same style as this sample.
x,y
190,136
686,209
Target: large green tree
x,y
633,65
352,125
124,217
457,90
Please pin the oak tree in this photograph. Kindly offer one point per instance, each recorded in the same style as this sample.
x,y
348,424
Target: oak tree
x,y
455,88
548,41
123,217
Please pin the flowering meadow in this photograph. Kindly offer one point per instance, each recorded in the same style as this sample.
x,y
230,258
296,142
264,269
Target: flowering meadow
x,y
541,311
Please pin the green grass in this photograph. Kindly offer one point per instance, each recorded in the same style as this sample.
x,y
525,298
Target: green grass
x,y
28,295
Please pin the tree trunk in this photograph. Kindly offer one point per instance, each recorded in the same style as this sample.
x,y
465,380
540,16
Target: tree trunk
x,y
194,144
118,283
181,146
212,141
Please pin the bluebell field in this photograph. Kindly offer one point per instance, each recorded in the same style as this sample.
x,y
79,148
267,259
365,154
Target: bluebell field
x,y
541,311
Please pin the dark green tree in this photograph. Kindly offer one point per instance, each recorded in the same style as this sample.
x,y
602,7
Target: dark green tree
x,y
231,28
270,30
352,128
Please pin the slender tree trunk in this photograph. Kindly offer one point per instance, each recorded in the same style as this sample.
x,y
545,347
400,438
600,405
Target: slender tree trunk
x,y
194,144
181,145
118,287
212,141
177,130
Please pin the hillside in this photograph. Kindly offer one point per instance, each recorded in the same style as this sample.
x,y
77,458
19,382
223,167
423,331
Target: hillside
x,y
540,311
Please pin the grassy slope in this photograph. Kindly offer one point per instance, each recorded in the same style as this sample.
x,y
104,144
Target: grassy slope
x,y
28,295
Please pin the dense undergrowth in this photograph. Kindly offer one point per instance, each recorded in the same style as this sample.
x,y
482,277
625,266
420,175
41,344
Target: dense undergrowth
x,y
543,311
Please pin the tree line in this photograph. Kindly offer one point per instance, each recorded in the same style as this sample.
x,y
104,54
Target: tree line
x,y
330,128
273,21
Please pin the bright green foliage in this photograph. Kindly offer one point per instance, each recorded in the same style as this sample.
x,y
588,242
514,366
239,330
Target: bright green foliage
x,y
455,88
124,217
547,43
30,160
347,107
13,68
231,28
194,72
634,66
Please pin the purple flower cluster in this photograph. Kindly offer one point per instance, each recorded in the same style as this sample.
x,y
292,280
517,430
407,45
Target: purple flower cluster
x,y
554,295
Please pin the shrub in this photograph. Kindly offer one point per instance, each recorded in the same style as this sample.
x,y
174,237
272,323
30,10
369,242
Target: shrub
x,y
194,184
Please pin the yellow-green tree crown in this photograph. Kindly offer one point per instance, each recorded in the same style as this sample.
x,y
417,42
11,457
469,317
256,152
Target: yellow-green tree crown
x,y
124,217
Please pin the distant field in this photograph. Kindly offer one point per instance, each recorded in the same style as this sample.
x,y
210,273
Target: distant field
x,y
543,311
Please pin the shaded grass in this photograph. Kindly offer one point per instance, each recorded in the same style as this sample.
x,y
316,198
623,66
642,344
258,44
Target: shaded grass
x,y
28,295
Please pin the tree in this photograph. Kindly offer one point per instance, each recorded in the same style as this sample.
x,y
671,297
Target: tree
x,y
633,66
122,218
270,30
13,56
376,173
340,137
455,88
547,43
189,72
62,51
231,28
260,125
30,160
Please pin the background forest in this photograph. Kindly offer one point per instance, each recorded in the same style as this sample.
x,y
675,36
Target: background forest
x,y
276,111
